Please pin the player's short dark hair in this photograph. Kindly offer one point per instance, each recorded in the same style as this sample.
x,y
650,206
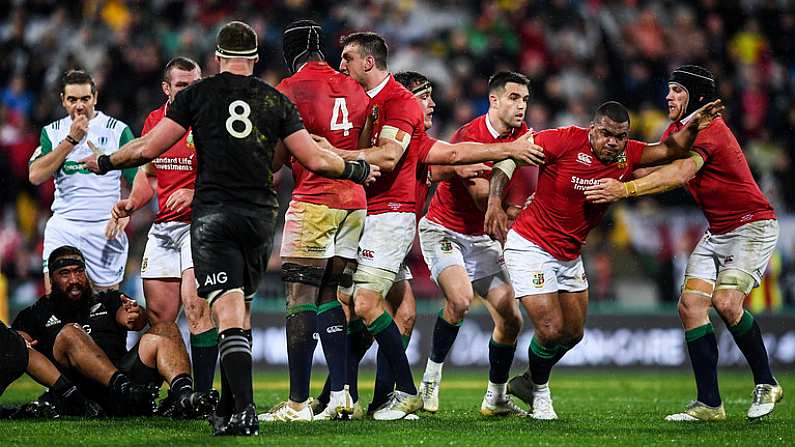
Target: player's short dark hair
x,y
78,77
411,80
301,43
498,80
236,40
613,110
62,252
371,44
180,63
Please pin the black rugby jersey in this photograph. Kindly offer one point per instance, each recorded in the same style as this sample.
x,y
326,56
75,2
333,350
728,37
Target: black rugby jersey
x,y
97,316
236,123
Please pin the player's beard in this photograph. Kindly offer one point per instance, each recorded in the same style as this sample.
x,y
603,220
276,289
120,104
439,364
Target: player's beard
x,y
65,297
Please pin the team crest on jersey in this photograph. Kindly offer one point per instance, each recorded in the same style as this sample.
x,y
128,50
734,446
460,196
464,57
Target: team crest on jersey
x,y
538,280
446,246
621,160
189,141
144,264
103,141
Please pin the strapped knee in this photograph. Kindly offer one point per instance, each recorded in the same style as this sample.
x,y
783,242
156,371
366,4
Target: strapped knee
x,y
304,274
692,287
735,279
215,295
375,279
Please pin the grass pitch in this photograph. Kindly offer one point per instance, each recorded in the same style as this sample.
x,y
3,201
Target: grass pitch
x,y
606,408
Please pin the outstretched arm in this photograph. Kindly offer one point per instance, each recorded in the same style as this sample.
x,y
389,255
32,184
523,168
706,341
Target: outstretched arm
x,y
523,149
140,150
668,177
678,145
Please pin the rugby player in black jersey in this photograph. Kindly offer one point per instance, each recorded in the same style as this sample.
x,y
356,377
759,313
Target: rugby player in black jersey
x,y
239,124
85,334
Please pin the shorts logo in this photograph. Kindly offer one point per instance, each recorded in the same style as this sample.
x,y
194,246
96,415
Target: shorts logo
x,y
215,279
729,259
446,246
584,159
144,264
369,254
538,280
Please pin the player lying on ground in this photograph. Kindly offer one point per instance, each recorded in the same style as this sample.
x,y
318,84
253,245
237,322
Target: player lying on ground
x,y
730,259
85,334
542,250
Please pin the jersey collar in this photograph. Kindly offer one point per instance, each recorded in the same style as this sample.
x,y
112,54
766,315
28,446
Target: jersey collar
x,y
684,120
494,134
377,89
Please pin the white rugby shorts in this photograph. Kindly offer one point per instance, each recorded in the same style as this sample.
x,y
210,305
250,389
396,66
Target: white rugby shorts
x,y
386,240
747,248
533,271
480,256
167,253
105,259
317,231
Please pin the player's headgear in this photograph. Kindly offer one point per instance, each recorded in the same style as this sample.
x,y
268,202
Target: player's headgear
x,y
416,83
699,84
64,256
300,38
236,40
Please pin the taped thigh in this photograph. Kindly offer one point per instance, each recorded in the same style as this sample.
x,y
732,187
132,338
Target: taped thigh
x,y
213,296
304,274
735,279
693,288
373,278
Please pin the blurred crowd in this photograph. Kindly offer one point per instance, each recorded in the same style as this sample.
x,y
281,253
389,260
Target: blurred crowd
x,y
577,54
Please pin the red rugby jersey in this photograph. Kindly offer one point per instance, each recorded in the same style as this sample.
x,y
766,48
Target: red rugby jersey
x,y
333,106
452,206
396,191
174,169
559,218
724,187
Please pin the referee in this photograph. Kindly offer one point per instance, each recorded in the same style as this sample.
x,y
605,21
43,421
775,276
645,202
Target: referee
x,y
238,122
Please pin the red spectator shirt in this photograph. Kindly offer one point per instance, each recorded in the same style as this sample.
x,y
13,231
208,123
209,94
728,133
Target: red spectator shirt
x,y
559,218
396,191
724,187
174,169
452,206
333,106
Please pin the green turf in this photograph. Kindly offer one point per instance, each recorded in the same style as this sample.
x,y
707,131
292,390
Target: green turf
x,y
607,408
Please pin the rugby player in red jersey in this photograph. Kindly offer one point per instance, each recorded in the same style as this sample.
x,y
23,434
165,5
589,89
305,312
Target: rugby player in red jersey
x,y
322,224
167,264
400,143
730,259
542,250
463,259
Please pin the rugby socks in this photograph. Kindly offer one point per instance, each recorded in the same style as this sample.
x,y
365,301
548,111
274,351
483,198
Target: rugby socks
x,y
384,379
500,361
702,346
334,338
182,384
748,337
204,355
444,335
542,358
389,340
359,341
235,351
301,343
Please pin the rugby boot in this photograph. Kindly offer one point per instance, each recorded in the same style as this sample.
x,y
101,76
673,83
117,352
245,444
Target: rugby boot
x,y
699,411
500,406
38,409
341,406
542,404
399,406
284,412
430,396
765,399
190,405
318,406
136,400
522,387
74,403
242,423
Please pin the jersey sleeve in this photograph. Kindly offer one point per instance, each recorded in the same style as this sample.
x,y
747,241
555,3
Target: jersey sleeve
x,y
634,150
125,137
403,114
180,109
45,146
425,144
26,321
291,119
460,135
703,145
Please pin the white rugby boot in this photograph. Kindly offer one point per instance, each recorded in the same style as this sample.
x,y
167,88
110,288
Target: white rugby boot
x,y
399,406
698,411
284,412
765,399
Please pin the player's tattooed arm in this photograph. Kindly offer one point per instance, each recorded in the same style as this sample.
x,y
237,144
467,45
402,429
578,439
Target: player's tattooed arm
x,y
666,178
140,150
496,220
677,145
